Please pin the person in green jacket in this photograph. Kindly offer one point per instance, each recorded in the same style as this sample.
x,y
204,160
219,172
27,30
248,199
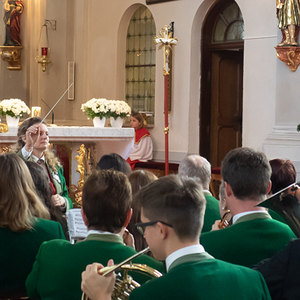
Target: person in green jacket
x,y
198,167
24,225
32,145
106,211
172,212
254,235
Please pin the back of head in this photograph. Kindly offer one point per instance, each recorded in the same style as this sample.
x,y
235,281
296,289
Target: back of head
x,y
176,201
283,174
139,117
106,199
140,178
248,173
19,202
114,161
22,131
196,166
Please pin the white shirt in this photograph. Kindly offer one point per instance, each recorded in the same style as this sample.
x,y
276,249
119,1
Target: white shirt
x,y
237,216
142,150
92,231
182,252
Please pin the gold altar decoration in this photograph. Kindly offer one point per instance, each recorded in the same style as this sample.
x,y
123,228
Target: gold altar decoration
x,y
12,55
3,128
290,55
86,163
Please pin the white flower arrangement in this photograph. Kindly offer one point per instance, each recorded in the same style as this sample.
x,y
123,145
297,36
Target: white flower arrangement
x,y
15,108
105,108
96,108
119,108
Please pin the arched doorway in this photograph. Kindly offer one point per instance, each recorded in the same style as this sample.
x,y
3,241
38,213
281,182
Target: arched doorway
x,y
221,81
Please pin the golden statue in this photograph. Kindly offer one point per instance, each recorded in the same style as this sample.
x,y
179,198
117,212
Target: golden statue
x,y
288,14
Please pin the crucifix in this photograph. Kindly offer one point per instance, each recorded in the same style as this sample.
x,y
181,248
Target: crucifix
x,y
166,42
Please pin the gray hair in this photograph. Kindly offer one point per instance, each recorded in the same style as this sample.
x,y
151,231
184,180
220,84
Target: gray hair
x,y
196,166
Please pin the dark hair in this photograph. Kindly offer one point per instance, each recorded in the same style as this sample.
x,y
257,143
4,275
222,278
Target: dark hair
x,y
247,171
179,202
43,189
283,174
114,161
139,117
138,179
106,200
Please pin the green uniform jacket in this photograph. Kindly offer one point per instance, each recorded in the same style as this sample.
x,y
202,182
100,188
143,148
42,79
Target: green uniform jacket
x,y
56,274
19,249
212,212
59,181
251,239
200,276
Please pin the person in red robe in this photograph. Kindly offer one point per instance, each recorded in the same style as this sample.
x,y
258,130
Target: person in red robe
x,y
143,146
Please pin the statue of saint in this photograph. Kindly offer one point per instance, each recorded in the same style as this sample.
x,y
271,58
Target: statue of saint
x,y
12,16
288,14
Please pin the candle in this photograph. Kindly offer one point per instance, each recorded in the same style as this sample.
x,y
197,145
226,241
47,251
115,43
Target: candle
x,y
45,51
36,111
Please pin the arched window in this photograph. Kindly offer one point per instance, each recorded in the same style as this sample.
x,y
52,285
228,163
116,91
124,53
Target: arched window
x,y
140,62
230,25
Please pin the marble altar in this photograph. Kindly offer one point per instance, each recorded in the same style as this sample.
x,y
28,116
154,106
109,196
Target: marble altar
x,y
106,140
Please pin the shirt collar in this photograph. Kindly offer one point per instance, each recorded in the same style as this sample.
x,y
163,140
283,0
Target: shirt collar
x,y
92,231
237,216
36,158
182,252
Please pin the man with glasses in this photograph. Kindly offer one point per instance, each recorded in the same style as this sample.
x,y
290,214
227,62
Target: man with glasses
x,y
106,211
172,212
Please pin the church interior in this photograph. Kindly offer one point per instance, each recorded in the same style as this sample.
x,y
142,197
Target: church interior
x,y
91,43
209,77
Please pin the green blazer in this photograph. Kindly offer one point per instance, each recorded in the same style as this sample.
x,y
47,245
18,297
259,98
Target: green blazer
x,y
56,273
58,179
251,239
19,249
212,212
200,276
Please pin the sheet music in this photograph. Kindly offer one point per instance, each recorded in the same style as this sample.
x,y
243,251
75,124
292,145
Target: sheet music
x,y
77,228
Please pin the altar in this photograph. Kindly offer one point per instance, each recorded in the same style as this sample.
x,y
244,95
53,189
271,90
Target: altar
x,y
67,140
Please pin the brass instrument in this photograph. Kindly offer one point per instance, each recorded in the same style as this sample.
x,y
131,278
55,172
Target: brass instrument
x,y
226,220
125,284
286,204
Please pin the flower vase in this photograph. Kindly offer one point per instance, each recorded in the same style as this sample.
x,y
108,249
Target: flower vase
x,y
12,121
118,123
99,122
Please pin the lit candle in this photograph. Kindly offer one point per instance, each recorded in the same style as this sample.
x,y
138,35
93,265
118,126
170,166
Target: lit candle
x,y
45,51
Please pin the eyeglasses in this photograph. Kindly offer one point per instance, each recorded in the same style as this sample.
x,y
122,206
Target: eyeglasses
x,y
142,226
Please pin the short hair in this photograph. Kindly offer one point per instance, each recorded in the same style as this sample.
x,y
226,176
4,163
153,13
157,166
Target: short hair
x,y
196,166
222,191
114,161
283,174
19,203
177,201
106,200
139,117
248,173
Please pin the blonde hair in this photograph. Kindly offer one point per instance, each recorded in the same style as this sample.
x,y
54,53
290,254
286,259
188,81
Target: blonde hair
x,y
50,157
19,203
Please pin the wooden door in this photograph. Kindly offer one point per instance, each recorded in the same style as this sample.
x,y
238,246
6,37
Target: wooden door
x,y
226,103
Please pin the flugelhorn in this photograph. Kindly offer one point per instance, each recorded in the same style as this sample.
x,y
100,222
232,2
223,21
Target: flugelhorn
x,y
125,284
287,206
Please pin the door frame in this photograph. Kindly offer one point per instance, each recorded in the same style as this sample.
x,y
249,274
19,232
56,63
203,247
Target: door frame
x,y
207,47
